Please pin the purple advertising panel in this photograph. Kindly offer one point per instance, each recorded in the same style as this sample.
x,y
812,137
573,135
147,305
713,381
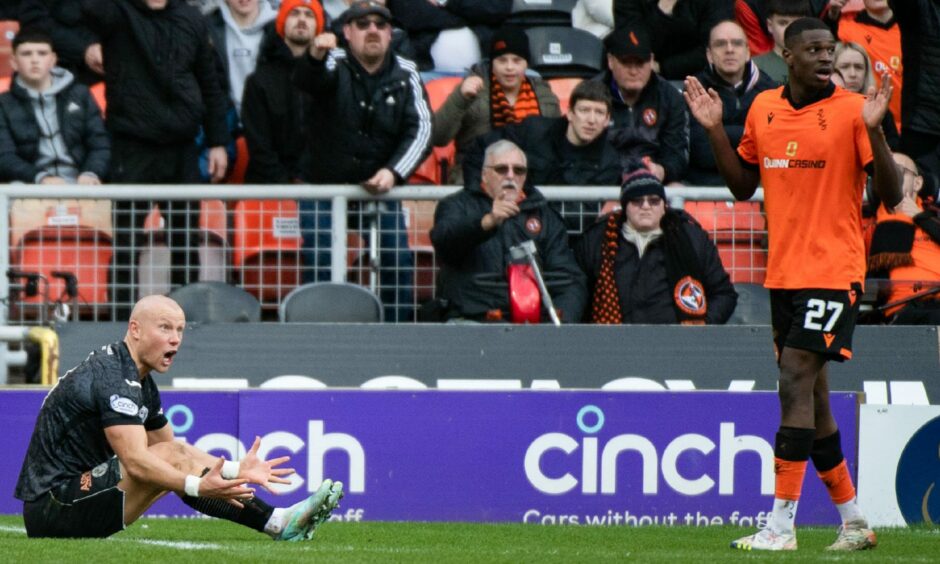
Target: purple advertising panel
x,y
594,457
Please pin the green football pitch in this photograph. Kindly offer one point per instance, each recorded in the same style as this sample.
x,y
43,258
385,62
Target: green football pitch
x,y
208,540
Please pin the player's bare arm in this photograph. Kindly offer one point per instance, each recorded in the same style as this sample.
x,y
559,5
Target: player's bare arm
x,y
129,443
706,108
887,180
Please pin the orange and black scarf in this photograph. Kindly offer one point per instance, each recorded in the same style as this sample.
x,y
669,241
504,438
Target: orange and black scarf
x,y
683,270
502,113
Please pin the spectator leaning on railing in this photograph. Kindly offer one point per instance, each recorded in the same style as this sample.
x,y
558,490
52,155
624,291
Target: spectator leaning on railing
x,y
50,126
370,125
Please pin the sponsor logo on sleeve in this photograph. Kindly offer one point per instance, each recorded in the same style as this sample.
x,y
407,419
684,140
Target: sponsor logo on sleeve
x,y
124,405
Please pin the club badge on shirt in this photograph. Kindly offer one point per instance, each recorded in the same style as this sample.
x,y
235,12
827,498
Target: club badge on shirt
x,y
533,225
650,117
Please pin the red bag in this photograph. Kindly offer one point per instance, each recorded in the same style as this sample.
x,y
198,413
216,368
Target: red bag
x,y
525,302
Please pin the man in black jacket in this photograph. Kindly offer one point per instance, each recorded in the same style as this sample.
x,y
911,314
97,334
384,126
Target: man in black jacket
x,y
72,39
370,125
650,264
273,109
51,130
161,87
475,228
735,77
650,126
566,151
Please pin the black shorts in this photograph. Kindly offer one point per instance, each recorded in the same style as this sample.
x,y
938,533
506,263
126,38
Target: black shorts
x,y
821,321
89,505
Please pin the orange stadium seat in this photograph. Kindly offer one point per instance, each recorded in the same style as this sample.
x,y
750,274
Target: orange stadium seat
x,y
97,92
8,29
562,87
237,173
83,251
4,83
738,230
213,221
420,218
266,247
434,169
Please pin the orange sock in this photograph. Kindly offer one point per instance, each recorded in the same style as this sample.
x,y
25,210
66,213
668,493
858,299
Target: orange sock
x,y
789,478
839,483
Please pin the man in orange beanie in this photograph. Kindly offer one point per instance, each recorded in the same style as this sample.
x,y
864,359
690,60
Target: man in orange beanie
x,y
272,108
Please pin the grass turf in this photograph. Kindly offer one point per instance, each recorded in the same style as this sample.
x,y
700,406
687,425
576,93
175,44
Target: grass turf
x,y
210,540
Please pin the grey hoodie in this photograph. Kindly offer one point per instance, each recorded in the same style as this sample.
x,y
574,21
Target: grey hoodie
x,y
54,158
242,46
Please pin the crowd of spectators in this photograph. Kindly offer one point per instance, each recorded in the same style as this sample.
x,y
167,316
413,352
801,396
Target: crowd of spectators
x,y
334,93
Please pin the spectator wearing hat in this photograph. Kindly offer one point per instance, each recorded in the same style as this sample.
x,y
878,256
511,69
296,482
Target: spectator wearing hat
x,y
493,95
370,124
273,109
474,230
335,12
648,263
678,30
649,125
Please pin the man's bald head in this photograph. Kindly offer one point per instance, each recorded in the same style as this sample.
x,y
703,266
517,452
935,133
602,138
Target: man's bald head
x,y
151,306
154,333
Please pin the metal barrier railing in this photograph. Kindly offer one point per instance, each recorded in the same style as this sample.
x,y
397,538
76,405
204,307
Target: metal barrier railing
x,y
267,239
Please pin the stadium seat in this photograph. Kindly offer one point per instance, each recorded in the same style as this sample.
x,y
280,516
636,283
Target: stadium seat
x,y
753,305
82,251
266,247
216,302
440,88
420,219
565,52
331,302
97,92
530,13
562,87
428,172
438,91
4,84
8,29
237,173
738,230
30,214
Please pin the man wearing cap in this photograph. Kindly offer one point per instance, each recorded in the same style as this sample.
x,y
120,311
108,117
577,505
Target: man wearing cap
x,y
648,263
649,125
474,230
370,125
492,96
273,109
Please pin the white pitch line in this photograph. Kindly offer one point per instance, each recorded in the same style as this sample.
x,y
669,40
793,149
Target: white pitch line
x,y
9,529
183,545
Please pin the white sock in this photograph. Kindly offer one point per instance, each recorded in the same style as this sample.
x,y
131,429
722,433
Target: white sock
x,y
850,511
783,516
276,522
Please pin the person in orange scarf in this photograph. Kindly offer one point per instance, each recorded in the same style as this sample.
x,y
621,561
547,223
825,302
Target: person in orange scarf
x,y
492,96
906,249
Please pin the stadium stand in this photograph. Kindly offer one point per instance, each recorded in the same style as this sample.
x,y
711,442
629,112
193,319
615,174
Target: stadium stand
x,y
738,230
266,247
531,13
753,305
331,302
216,302
565,52
562,87
8,29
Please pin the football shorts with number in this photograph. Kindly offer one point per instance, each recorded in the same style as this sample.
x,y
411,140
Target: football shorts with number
x,y
816,320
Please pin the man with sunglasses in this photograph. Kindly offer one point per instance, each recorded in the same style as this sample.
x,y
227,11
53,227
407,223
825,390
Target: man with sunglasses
x,y
647,263
475,228
370,124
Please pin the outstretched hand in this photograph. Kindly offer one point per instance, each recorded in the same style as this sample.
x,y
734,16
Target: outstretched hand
x,y
876,103
705,106
263,472
214,486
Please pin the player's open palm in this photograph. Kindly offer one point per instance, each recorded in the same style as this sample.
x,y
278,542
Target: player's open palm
x,y
214,486
705,105
876,104
263,472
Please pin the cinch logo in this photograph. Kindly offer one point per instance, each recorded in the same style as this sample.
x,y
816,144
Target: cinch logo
x,y
597,458
318,444
793,163
918,477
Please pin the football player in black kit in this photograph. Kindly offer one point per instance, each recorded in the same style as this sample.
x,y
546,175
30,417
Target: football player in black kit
x,y
102,451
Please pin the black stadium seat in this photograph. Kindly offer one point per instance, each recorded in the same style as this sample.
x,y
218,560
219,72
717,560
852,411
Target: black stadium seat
x,y
216,302
530,13
565,52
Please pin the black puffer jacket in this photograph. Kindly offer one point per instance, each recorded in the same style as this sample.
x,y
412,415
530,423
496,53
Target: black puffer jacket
x,y
735,104
644,288
551,159
354,134
920,45
466,251
273,115
679,39
656,127
80,124
160,72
